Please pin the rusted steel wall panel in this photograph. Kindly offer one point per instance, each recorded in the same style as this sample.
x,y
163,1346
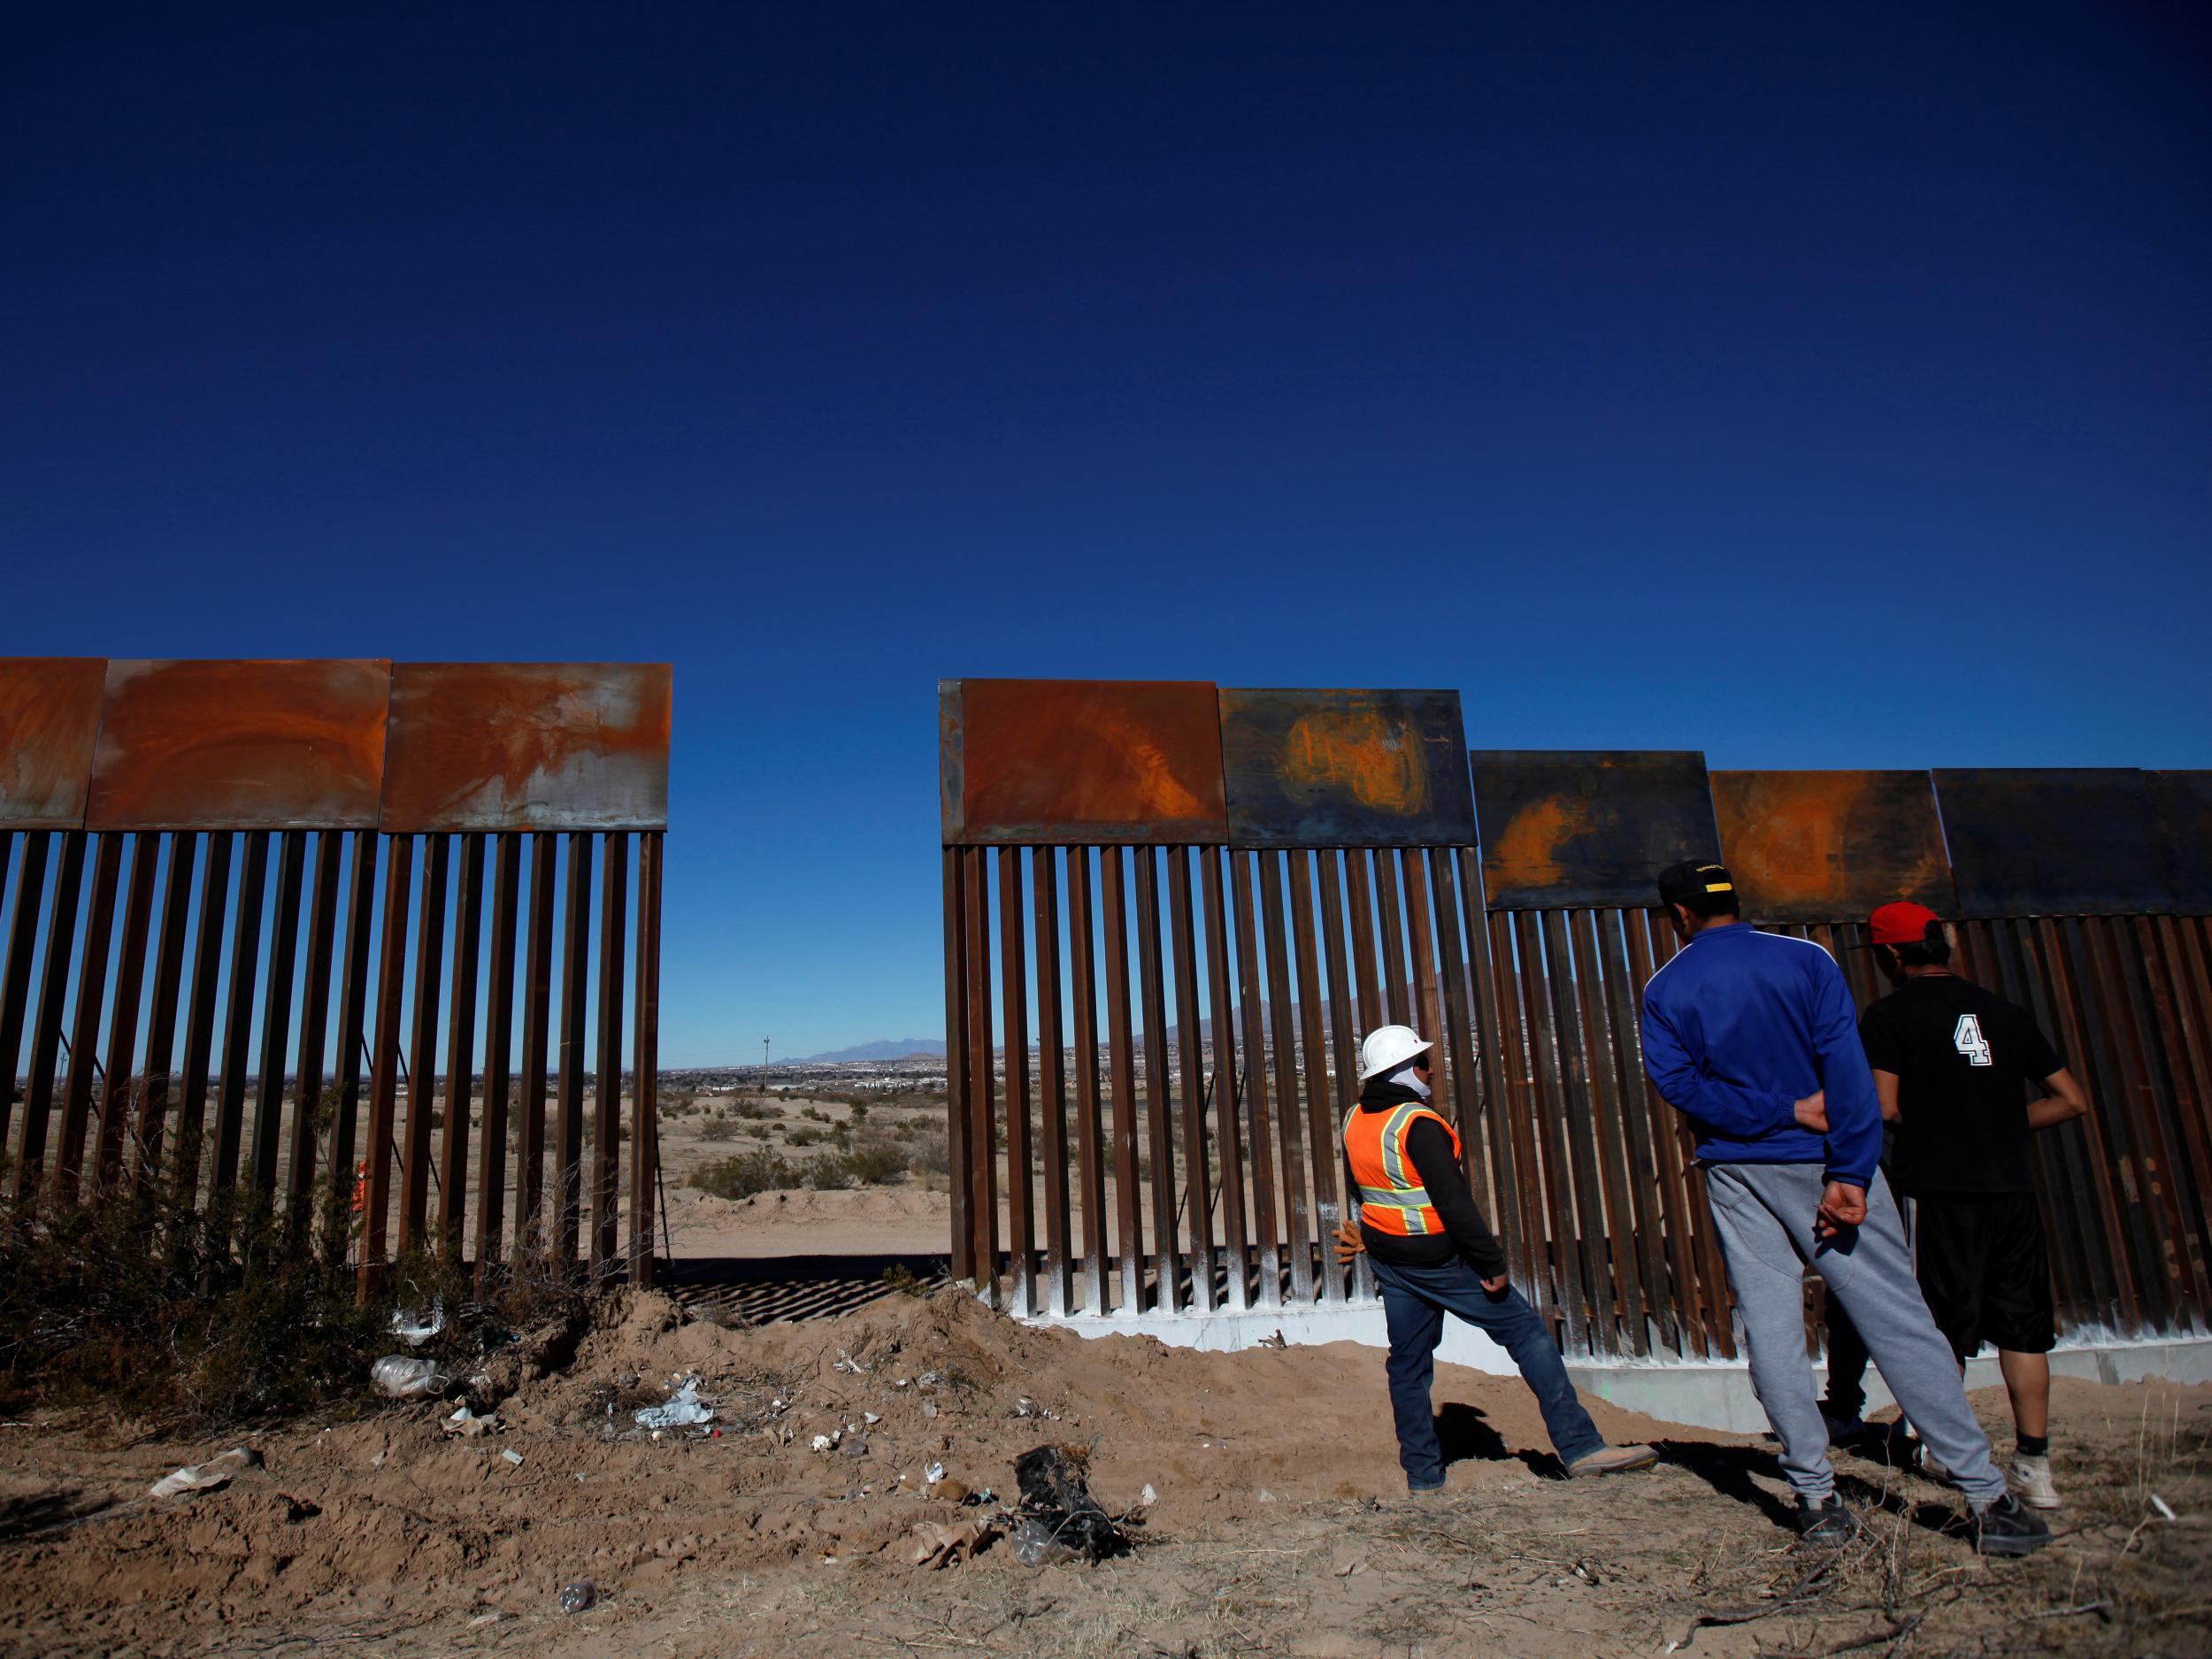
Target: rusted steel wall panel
x,y
1570,828
1827,846
239,745
50,721
2052,841
1344,768
2181,804
1069,762
513,746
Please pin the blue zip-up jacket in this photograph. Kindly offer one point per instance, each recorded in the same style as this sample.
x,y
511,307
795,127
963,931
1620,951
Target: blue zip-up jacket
x,y
1741,1026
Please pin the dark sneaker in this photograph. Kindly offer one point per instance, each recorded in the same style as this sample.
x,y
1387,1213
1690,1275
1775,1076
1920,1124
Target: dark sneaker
x,y
1827,1521
1612,1460
2004,1528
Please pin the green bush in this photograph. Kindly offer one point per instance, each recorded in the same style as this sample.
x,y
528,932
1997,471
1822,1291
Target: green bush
x,y
746,1174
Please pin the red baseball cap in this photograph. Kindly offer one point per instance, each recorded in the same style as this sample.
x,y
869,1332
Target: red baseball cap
x,y
1903,923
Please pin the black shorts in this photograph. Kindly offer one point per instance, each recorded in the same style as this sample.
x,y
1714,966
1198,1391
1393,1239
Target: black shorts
x,y
1982,1269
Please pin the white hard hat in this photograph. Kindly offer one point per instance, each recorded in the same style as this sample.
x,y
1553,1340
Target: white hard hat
x,y
1387,1048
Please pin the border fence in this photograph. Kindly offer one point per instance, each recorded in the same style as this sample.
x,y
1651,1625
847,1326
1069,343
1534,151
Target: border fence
x,y
1170,910
272,921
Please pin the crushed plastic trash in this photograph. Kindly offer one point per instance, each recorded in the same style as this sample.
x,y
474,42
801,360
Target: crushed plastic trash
x,y
1037,1544
413,1329
468,1425
823,1442
872,1418
934,1473
2164,1508
515,1457
1148,1497
217,1471
1054,1494
846,1362
683,1408
575,1598
399,1377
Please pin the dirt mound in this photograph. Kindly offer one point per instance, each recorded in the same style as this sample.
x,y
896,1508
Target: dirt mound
x,y
789,1522
392,1515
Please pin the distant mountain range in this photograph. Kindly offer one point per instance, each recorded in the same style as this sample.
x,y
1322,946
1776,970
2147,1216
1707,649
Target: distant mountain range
x,y
884,1049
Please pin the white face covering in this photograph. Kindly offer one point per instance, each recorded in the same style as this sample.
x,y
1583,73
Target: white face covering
x,y
1411,1078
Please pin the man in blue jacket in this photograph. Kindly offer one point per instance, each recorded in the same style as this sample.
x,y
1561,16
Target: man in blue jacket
x,y
1753,1038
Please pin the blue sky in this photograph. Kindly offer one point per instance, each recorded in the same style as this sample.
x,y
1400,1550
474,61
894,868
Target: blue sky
x,y
1812,387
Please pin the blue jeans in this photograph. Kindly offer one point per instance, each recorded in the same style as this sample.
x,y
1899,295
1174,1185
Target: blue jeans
x,y
1414,1301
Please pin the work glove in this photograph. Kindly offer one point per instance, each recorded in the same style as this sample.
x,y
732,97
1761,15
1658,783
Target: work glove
x,y
1349,1246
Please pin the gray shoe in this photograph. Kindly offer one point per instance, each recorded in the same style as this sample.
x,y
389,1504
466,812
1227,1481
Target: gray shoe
x,y
1826,1523
2032,1477
1612,1460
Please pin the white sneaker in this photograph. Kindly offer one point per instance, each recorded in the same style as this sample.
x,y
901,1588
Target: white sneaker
x,y
1931,1467
2031,1476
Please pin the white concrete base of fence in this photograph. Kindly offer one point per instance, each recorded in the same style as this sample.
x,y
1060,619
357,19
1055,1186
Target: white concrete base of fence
x,y
1701,1393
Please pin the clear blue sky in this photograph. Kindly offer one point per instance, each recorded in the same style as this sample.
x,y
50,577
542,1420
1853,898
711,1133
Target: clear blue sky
x,y
1817,386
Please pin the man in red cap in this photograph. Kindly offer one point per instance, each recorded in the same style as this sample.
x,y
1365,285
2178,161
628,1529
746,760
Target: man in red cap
x,y
1952,1066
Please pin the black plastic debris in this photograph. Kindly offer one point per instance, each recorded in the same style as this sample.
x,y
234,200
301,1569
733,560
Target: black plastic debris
x,y
579,1596
1060,1520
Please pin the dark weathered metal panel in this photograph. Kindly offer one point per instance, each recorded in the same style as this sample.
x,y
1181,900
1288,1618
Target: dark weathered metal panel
x,y
239,745
511,746
2052,841
1344,768
50,719
1830,846
1064,761
1563,828
2181,804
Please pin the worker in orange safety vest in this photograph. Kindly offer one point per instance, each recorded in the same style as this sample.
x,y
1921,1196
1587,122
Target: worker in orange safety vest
x,y
1433,1254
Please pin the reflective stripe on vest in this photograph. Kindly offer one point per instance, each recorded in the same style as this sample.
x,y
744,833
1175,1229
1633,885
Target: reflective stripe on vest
x,y
1399,1204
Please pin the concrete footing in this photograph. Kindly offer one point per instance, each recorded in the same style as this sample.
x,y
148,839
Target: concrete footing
x,y
1702,1393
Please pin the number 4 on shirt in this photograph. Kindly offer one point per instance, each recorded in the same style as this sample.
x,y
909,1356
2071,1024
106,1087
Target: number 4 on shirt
x,y
1966,1037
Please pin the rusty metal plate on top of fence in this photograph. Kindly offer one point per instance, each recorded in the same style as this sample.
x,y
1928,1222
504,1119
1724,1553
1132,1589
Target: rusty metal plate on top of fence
x,y
1346,769
1830,845
2181,808
527,745
2052,841
1581,827
1072,762
239,745
50,719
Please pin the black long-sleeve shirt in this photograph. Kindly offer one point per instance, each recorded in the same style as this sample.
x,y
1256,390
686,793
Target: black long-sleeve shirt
x,y
1466,1235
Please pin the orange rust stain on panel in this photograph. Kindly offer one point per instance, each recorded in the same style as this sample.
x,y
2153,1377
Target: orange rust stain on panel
x,y
1054,759
50,719
240,745
1527,853
1331,750
1823,846
506,746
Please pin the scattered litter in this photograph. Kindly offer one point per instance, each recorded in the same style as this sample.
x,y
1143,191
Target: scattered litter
x,y
2164,1508
1054,1494
941,1546
1266,1496
413,1329
896,1382
929,1408
929,1379
208,1476
468,1425
934,1473
399,1377
823,1442
847,1364
872,1417
515,1457
575,1598
1148,1497
683,1408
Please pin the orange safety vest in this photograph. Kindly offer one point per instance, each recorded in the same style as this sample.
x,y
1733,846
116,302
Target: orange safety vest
x,y
1391,1198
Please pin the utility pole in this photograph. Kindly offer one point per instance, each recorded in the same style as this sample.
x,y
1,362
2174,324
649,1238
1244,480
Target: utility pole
x,y
763,1061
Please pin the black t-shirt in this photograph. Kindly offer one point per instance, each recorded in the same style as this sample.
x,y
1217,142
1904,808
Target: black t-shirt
x,y
1964,1058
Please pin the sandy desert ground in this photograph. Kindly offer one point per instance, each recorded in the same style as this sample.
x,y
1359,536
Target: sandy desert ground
x,y
1278,1523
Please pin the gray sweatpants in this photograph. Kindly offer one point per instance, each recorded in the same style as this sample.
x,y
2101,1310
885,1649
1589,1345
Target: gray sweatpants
x,y
1766,1215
